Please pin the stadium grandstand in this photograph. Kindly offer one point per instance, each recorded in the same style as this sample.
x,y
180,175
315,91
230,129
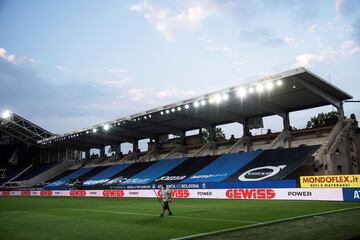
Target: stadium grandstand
x,y
34,158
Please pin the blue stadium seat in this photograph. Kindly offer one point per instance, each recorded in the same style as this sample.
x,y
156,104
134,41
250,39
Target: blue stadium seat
x,y
222,167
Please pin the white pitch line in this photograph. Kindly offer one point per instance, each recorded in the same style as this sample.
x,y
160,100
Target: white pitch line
x,y
261,224
153,215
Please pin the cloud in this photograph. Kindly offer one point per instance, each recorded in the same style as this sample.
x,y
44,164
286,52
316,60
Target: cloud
x,y
313,28
171,24
140,94
172,93
152,97
115,84
116,79
310,59
10,58
224,49
263,36
291,41
349,47
62,68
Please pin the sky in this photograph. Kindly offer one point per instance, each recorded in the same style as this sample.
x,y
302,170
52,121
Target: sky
x,y
69,64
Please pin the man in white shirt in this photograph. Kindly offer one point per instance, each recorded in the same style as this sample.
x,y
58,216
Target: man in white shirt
x,y
166,199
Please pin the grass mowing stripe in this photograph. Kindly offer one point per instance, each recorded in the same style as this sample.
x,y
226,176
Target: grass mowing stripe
x,y
261,224
153,215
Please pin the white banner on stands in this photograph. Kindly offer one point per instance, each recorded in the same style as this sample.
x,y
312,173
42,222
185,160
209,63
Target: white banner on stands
x,y
323,194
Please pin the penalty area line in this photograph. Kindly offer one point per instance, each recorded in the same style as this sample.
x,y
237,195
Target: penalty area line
x,y
153,215
262,224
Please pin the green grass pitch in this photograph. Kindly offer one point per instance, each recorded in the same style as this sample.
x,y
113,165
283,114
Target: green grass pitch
x,y
40,218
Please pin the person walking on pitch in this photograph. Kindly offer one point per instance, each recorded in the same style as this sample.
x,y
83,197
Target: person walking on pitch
x,y
166,199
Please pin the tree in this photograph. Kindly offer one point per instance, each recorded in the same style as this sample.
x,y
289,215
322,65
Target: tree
x,y
219,134
323,119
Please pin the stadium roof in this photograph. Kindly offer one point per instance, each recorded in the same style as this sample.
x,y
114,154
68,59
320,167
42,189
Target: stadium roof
x,y
22,129
277,94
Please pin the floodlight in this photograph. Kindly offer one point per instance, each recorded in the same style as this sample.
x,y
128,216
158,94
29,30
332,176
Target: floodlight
x,y
259,88
241,92
211,100
225,96
106,127
139,119
279,83
94,130
203,102
167,111
145,117
149,115
251,90
173,110
269,85
196,104
179,109
217,99
87,132
187,106
162,113
6,114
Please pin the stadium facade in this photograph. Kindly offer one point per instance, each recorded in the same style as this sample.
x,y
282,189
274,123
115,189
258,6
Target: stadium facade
x,y
34,157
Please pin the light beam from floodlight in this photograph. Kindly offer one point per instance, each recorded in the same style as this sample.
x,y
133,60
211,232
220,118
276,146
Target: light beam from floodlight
x,y
251,90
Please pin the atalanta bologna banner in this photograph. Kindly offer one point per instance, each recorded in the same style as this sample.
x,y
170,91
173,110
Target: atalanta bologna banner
x,y
323,194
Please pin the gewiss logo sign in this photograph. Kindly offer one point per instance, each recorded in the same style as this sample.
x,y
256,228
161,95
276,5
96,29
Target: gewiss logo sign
x,y
113,193
177,193
77,193
250,193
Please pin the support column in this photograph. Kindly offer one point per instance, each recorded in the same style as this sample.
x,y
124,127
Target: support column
x,y
118,148
102,151
340,110
181,148
286,121
287,130
87,153
246,136
135,146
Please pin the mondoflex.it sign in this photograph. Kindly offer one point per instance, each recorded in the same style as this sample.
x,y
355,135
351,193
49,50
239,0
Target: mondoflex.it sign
x,y
330,181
